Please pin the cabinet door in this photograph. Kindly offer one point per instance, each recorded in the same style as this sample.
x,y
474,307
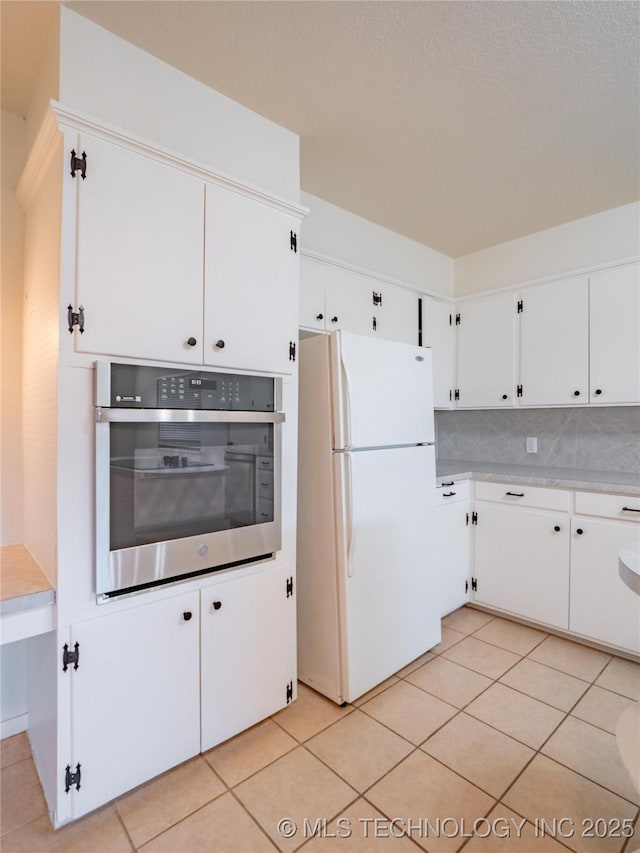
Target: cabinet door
x,y
251,283
615,335
312,308
486,351
554,343
602,606
397,314
349,302
453,550
248,650
522,562
135,697
438,333
139,268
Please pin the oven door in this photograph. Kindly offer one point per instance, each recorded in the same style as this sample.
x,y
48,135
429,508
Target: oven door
x,y
176,493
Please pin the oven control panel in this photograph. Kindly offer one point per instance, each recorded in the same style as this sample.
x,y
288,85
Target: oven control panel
x,y
143,387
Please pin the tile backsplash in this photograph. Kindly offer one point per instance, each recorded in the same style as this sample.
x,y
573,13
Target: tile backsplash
x,y
600,439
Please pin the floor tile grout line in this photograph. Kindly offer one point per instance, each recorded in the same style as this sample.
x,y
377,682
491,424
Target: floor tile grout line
x,y
124,827
631,839
589,779
254,819
254,772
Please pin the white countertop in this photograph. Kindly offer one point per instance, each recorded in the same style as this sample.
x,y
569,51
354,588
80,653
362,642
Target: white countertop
x,y
568,478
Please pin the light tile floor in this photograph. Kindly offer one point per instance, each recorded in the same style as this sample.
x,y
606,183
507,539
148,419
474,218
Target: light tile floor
x,y
497,729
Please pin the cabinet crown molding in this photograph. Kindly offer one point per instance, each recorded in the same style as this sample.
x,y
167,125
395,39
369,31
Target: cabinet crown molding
x,y
62,117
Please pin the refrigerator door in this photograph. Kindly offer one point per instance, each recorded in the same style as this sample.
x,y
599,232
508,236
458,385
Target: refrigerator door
x,y
383,392
386,573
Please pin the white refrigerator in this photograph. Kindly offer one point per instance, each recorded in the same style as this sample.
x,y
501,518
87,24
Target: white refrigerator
x,y
366,580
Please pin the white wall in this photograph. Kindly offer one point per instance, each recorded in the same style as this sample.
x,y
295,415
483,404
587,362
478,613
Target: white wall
x,y
599,239
11,483
110,79
332,231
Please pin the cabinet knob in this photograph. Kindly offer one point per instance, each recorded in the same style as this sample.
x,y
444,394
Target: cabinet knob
x,y
598,391
505,397
187,615
576,393
220,344
557,528
319,316
579,531
191,342
334,319
217,605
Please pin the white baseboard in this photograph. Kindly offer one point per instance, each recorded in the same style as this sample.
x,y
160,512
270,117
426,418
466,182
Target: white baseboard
x,y
14,726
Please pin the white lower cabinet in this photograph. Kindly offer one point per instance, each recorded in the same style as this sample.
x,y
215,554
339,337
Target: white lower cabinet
x,y
521,562
248,653
602,606
135,697
159,683
453,545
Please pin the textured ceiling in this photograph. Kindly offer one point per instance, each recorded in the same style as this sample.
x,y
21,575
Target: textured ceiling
x,y
458,124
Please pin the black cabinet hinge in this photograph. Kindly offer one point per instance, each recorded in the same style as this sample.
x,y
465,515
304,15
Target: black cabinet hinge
x,y
456,394
520,306
292,351
71,779
289,692
419,321
289,587
377,298
69,657
457,319
75,319
474,518
293,241
374,324
519,391
78,163
467,519
466,586
474,585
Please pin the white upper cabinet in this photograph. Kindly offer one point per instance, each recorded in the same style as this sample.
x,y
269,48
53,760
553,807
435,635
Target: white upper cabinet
x,y
486,351
614,325
349,302
312,295
250,283
554,343
397,313
139,256
438,333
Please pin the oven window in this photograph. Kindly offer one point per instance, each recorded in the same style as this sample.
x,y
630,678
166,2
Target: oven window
x,y
169,481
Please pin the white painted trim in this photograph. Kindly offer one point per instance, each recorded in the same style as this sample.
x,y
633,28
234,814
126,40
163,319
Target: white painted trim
x,y
27,623
548,279
14,726
319,258
69,118
38,160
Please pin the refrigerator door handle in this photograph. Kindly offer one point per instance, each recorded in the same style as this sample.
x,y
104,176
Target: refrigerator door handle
x,y
347,405
349,512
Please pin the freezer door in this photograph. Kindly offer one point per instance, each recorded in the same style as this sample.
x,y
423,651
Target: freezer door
x,y
383,392
387,573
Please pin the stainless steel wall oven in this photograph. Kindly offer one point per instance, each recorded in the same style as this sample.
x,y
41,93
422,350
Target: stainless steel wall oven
x,y
177,459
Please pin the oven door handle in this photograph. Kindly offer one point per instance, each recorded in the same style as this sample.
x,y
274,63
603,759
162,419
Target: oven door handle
x,y
108,415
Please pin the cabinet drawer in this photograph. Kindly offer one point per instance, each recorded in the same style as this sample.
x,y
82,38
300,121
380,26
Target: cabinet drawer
x,y
264,510
265,484
608,506
529,496
265,463
452,492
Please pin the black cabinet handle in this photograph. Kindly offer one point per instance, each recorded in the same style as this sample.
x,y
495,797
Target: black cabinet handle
x,y
629,509
448,494
319,316
505,396
191,342
598,392
515,494
576,393
220,344
334,319
187,615
579,531
557,528
452,483
217,605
